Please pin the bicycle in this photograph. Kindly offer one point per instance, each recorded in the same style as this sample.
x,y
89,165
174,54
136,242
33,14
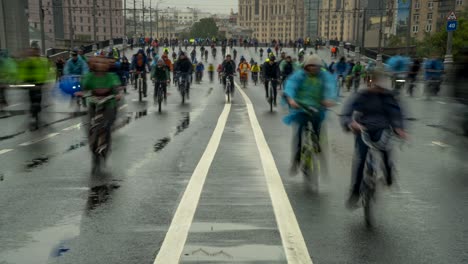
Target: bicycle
x,y
229,87
310,151
357,81
432,88
99,131
368,186
183,87
139,85
243,79
255,77
271,92
160,93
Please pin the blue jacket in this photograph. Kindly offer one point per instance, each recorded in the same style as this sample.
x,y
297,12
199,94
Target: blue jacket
x,y
341,68
80,67
200,67
433,64
296,81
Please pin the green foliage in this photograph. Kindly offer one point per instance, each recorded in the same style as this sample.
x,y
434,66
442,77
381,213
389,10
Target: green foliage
x,y
206,27
395,41
436,44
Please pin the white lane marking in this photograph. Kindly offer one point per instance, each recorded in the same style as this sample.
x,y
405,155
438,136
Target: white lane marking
x,y
438,143
77,126
13,105
3,151
174,242
440,102
39,140
123,106
291,236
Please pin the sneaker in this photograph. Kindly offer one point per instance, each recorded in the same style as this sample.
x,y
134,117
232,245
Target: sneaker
x,y
353,202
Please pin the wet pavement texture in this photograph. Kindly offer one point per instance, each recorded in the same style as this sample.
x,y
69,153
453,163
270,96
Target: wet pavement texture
x,y
54,211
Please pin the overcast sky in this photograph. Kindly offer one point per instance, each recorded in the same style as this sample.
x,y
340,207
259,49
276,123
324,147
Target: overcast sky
x,y
212,6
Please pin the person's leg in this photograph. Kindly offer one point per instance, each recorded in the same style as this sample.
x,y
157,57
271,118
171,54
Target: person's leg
x,y
388,167
359,161
275,91
296,147
266,88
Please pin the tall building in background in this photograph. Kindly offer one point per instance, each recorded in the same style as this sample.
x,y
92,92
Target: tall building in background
x,y
430,16
65,19
273,19
331,15
14,34
312,14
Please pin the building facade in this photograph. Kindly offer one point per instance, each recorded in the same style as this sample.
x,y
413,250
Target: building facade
x,y
14,34
340,24
273,19
431,16
80,20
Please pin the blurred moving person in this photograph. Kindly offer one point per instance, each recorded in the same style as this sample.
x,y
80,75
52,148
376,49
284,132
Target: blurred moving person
x,y
8,71
33,70
375,110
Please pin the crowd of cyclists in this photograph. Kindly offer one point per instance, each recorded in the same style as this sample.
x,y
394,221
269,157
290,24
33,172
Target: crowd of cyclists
x,y
306,80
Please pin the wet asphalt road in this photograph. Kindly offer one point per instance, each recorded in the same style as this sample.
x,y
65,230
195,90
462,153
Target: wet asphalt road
x,y
53,211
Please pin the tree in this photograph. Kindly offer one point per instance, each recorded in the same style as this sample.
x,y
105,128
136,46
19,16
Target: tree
x,y
436,44
206,27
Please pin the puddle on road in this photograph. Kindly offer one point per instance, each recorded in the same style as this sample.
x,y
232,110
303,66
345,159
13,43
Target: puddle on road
x,y
183,125
99,195
12,135
37,162
244,252
45,244
161,144
201,227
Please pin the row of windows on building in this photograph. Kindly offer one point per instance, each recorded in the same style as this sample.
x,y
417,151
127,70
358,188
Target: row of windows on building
x,y
428,28
430,4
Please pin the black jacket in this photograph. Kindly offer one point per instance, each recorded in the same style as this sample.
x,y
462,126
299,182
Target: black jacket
x,y
229,67
183,66
271,71
288,69
377,111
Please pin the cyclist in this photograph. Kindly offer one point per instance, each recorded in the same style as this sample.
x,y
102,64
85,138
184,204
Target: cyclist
x,y
341,68
255,70
229,69
301,55
357,71
334,51
193,55
234,52
8,70
140,65
183,68
268,50
211,70
161,73
433,70
75,65
124,72
220,71
223,50
288,68
271,74
261,52
206,55
378,110
200,68
413,73
312,87
101,83
244,69
174,55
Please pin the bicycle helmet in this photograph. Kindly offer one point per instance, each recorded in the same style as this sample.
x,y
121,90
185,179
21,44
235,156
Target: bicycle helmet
x,y
69,85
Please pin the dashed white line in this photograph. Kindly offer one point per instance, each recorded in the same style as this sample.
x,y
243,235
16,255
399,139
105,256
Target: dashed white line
x,y
3,151
291,236
123,107
77,126
39,140
174,242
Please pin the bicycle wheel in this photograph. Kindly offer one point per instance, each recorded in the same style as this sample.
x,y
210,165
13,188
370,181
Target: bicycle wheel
x,y
140,90
310,161
367,193
160,97
271,97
